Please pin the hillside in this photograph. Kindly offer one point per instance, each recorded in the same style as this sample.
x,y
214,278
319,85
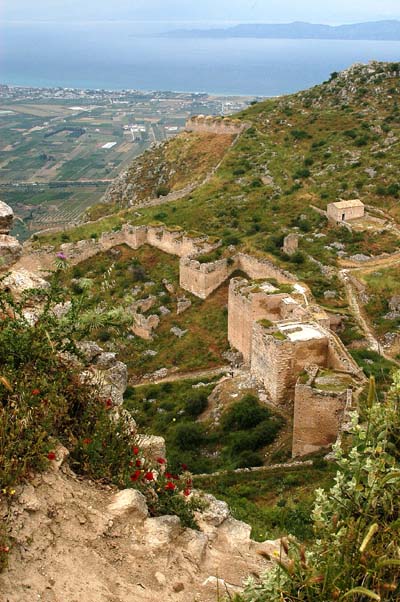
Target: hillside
x,y
379,30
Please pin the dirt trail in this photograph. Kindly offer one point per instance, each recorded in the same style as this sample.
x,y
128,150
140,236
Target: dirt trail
x,y
355,303
171,378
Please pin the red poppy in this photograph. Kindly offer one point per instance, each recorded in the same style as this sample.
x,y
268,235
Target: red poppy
x,y
168,475
169,486
138,463
184,466
36,392
135,450
186,491
87,441
189,482
161,460
135,475
109,403
149,476
175,477
51,456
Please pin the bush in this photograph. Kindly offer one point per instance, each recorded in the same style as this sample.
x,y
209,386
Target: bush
x,y
244,414
196,403
188,435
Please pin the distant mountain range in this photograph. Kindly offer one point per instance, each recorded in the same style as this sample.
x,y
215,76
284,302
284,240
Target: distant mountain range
x,y
378,30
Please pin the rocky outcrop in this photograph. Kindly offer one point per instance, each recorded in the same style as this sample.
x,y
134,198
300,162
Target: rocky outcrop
x,y
77,540
6,218
10,248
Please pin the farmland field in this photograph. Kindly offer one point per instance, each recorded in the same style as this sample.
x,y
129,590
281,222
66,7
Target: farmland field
x,y
60,149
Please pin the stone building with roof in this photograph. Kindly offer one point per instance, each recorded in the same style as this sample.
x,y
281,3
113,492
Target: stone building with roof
x,y
344,211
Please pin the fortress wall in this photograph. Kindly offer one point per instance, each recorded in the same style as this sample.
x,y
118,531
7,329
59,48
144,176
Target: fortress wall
x,y
278,363
201,279
81,250
176,242
257,269
317,418
240,319
215,125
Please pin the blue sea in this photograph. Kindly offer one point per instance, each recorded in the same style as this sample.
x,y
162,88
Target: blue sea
x,y
118,55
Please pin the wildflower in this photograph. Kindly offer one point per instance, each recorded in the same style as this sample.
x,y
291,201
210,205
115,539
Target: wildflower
x,y
109,403
170,486
36,392
87,441
61,256
135,475
149,476
161,460
186,491
51,456
135,450
184,466
168,475
138,463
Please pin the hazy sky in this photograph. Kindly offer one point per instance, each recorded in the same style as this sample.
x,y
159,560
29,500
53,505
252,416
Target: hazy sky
x,y
328,11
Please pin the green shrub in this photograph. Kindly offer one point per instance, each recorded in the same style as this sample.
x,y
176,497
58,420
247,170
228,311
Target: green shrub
x,y
244,414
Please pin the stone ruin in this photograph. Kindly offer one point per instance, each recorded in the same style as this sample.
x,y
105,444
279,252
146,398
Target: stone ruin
x,y
10,248
271,322
215,125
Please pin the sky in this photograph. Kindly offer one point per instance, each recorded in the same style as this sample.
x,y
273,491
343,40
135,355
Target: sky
x,y
315,11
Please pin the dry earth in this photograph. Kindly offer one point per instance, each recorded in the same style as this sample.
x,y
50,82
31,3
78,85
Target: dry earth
x,y
77,541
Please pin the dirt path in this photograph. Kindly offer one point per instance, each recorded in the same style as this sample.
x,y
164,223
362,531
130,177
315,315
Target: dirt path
x,y
171,378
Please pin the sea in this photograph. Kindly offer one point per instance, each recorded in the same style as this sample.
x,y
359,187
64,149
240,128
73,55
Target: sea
x,y
133,55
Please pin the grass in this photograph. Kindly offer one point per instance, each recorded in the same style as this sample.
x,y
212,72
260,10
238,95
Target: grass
x,y
274,503
114,279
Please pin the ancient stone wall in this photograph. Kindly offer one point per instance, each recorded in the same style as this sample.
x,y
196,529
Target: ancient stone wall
x,y
278,363
317,418
177,242
215,125
201,279
244,309
257,269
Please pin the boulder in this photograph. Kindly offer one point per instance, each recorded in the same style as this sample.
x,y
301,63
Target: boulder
x,y
6,218
10,250
89,349
128,502
161,530
28,499
19,281
183,305
152,446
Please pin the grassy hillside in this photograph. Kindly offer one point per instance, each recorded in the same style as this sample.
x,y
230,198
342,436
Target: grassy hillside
x,y
336,140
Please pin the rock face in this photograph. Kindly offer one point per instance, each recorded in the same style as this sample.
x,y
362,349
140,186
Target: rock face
x,y
77,540
6,218
10,250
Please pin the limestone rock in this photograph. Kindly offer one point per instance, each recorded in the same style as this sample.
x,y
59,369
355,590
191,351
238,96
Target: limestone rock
x,y
115,382
6,218
129,502
61,309
183,305
10,250
143,327
161,530
89,349
19,281
168,286
152,446
105,361
61,455
178,332
29,500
